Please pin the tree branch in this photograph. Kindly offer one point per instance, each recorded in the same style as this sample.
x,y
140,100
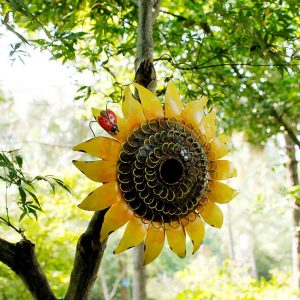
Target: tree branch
x,y
116,284
104,287
21,258
145,31
145,72
145,75
287,127
88,256
174,15
188,67
274,113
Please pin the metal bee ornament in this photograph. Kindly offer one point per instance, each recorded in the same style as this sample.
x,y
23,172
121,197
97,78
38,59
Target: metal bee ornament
x,y
108,121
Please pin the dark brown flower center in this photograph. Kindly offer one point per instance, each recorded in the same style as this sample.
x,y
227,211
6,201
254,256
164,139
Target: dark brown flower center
x,y
171,171
163,171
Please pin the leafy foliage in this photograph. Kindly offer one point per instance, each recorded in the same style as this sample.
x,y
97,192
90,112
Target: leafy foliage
x,y
13,176
104,25
243,55
224,284
57,232
294,193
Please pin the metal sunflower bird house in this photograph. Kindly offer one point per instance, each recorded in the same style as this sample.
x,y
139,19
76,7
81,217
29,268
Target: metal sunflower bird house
x,y
161,173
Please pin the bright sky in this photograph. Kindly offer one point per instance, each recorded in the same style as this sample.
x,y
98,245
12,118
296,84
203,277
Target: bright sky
x,y
38,78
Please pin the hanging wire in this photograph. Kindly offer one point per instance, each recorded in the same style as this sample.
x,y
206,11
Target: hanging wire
x,y
90,125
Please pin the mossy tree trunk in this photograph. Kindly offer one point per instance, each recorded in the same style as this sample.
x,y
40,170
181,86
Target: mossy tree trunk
x,y
146,76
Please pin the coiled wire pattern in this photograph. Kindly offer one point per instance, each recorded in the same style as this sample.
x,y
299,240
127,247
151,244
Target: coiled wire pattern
x,y
164,171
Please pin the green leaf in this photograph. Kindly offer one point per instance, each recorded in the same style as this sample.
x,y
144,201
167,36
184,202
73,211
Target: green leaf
x,y
33,196
23,214
19,160
22,194
62,184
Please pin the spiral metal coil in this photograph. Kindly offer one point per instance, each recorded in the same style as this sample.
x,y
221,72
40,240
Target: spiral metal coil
x,y
164,171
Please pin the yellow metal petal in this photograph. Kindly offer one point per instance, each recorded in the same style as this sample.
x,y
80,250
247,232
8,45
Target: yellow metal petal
x,y
173,105
176,240
195,230
96,113
151,104
220,146
153,243
225,169
102,147
207,125
123,126
132,109
115,217
193,111
124,130
212,214
221,193
99,170
134,234
101,198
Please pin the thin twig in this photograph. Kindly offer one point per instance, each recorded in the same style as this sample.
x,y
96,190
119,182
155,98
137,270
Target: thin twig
x,y
7,220
116,283
18,230
198,67
174,15
6,195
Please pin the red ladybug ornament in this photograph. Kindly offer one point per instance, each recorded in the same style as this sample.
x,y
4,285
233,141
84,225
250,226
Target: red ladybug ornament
x,y
108,121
